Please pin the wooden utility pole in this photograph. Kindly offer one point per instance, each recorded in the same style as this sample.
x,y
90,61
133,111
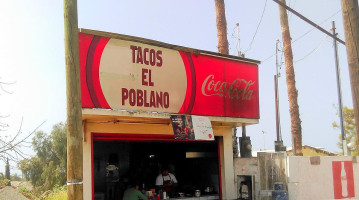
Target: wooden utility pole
x,y
350,13
296,127
73,94
221,27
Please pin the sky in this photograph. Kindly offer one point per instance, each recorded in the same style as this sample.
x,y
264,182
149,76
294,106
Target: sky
x,y
32,57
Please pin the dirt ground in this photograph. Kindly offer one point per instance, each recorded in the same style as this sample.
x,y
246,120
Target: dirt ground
x,y
10,192
25,184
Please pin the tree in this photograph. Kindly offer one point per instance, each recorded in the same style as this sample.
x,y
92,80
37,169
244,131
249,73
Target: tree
x,y
296,127
221,27
7,171
349,131
15,177
11,147
224,49
3,125
48,167
31,169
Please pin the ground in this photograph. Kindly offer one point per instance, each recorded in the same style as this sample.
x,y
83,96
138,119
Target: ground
x,y
12,193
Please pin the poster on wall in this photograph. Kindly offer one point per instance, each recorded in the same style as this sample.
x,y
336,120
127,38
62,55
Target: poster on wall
x,y
127,73
343,179
187,127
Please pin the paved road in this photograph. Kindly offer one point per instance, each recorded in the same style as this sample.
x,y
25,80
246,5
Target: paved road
x,y
9,193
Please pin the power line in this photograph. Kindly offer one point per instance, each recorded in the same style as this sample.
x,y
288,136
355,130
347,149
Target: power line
x,y
255,33
309,21
311,52
314,28
292,6
300,37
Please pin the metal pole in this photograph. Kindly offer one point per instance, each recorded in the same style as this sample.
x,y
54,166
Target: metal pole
x,y
239,41
279,135
276,106
344,141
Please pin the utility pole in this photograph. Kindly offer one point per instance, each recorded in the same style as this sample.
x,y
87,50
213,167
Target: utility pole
x,y
278,145
239,42
344,141
276,76
350,13
296,128
73,95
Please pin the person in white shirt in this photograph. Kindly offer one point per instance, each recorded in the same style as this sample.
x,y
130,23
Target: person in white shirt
x,y
166,182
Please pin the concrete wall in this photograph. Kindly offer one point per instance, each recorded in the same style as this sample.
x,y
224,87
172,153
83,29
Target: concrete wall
x,y
305,178
247,167
313,177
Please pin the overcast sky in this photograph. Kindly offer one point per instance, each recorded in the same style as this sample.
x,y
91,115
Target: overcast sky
x,y
32,56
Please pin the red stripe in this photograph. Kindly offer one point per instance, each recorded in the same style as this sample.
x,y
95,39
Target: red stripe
x,y
92,170
84,44
194,84
92,71
188,103
96,73
89,71
219,171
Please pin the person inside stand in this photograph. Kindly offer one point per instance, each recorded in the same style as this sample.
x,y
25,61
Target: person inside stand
x,y
166,182
134,193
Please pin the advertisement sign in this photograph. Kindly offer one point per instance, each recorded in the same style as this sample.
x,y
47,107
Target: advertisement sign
x,y
343,179
186,127
121,74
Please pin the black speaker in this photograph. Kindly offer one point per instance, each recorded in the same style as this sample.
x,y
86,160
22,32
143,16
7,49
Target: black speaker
x,y
278,146
245,147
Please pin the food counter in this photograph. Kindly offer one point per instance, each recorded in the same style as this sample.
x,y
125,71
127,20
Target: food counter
x,y
202,197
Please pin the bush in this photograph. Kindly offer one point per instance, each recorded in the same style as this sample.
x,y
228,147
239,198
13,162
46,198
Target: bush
x,y
57,193
5,182
24,191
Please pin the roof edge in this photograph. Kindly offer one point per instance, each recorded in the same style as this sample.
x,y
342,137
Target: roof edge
x,y
165,45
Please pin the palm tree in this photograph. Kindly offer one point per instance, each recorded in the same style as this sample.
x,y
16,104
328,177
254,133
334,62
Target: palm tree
x,y
221,27
296,127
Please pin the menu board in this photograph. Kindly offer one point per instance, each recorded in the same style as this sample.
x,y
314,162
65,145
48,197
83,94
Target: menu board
x,y
187,127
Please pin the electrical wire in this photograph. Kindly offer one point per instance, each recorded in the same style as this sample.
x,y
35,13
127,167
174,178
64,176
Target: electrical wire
x,y
234,37
292,6
311,52
300,37
255,33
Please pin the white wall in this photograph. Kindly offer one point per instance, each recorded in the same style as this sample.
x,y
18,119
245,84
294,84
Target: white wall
x,y
312,180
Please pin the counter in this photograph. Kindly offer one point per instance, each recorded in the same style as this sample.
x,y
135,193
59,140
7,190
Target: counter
x,y
202,197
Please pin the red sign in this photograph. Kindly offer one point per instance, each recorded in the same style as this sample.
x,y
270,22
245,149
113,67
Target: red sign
x,y
343,179
126,75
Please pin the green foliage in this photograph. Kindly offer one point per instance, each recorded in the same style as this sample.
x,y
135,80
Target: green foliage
x,y
28,194
32,170
15,177
5,182
48,167
349,131
57,193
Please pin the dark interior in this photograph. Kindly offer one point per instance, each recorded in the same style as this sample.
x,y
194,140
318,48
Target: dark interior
x,y
116,163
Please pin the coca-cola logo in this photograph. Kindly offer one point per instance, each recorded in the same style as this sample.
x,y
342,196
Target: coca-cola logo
x,y
239,89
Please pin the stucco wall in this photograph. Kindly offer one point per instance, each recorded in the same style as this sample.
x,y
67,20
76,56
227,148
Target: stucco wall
x,y
247,167
312,177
